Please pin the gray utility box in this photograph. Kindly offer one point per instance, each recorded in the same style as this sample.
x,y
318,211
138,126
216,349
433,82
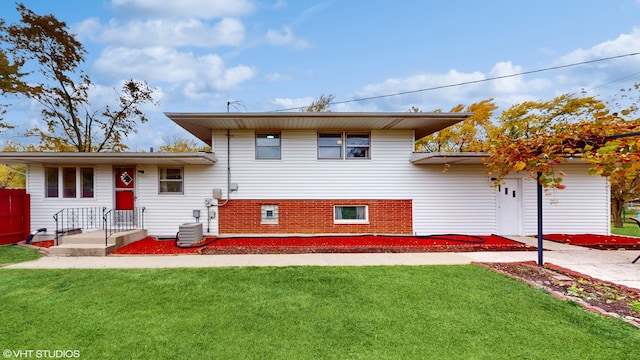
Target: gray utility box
x,y
190,233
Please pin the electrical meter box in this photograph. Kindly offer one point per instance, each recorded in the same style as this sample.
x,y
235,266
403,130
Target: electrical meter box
x,y
217,193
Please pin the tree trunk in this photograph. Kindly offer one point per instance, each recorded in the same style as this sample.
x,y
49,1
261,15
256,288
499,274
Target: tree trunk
x,y
616,212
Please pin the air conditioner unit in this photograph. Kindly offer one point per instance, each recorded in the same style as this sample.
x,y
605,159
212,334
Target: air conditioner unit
x,y
190,233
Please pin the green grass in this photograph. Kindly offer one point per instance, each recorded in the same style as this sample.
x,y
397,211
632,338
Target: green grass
x,y
11,254
403,312
628,229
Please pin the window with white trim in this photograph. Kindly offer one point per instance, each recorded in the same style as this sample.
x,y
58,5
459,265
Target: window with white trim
x,y
267,146
171,181
351,214
344,145
269,214
71,182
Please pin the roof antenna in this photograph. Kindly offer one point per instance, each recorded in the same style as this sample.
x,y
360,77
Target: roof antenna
x,y
236,105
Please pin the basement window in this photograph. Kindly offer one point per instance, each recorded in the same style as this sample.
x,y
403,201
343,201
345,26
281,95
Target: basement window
x,y
269,214
351,214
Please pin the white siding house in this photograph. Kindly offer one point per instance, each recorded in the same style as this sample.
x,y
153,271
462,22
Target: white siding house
x,y
317,173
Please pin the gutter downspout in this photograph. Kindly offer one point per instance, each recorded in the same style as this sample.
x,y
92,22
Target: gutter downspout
x,y
228,169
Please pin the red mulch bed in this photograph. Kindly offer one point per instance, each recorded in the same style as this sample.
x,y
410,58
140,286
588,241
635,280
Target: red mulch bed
x,y
43,244
328,244
602,242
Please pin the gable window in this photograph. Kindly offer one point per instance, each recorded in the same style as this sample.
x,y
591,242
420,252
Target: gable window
x,y
68,181
171,181
267,146
351,214
344,145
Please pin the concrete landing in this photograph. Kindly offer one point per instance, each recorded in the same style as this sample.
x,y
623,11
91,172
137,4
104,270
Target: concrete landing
x,y
92,243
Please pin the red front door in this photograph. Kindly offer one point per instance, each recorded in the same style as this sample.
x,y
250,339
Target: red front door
x,y
125,188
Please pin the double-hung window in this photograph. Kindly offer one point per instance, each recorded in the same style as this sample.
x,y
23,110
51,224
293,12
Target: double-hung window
x,y
344,145
171,181
267,146
71,182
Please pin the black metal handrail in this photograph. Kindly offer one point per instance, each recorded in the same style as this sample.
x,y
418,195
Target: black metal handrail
x,y
122,220
78,219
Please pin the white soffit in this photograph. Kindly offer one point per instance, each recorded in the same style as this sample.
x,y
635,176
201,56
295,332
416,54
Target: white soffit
x,y
423,123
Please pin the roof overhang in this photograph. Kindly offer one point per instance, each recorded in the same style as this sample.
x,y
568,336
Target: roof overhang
x,y
436,158
99,158
469,158
423,123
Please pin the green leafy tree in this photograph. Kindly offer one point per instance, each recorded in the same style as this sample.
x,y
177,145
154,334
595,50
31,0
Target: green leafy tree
x,y
44,43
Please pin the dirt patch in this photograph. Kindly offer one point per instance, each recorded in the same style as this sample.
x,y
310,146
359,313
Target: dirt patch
x,y
596,295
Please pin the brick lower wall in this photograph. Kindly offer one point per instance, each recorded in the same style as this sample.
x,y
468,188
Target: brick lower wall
x,y
314,217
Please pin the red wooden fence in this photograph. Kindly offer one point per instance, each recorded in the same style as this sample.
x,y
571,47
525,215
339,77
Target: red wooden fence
x,y
14,215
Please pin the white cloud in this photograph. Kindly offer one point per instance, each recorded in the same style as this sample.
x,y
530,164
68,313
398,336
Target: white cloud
x,y
277,77
513,84
623,44
165,32
202,9
285,37
163,65
289,103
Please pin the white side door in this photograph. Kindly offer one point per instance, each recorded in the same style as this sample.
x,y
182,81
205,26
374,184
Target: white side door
x,y
509,201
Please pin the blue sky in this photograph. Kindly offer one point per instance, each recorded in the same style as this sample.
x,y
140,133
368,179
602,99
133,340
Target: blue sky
x,y
279,54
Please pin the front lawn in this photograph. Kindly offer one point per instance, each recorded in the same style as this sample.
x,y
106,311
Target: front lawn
x,y
628,229
401,312
11,254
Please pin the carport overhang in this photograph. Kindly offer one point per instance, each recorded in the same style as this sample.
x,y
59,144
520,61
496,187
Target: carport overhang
x,y
99,158
441,158
201,125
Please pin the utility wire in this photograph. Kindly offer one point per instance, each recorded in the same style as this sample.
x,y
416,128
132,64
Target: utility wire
x,y
472,81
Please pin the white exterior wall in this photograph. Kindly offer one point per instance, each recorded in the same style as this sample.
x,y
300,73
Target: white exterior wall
x,y
582,207
464,200
299,174
43,209
164,213
460,200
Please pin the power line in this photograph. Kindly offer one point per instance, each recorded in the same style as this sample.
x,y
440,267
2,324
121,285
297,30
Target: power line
x,y
471,81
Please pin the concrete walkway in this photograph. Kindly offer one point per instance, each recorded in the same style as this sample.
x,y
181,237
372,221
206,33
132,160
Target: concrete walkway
x,y
614,266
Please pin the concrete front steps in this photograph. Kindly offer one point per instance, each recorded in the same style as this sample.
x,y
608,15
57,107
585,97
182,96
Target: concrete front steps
x,y
92,243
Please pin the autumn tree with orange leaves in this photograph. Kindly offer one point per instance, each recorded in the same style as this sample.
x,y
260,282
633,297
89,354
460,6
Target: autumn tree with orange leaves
x,y
537,136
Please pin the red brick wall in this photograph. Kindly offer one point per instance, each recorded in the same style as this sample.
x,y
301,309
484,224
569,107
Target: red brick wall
x,y
314,217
